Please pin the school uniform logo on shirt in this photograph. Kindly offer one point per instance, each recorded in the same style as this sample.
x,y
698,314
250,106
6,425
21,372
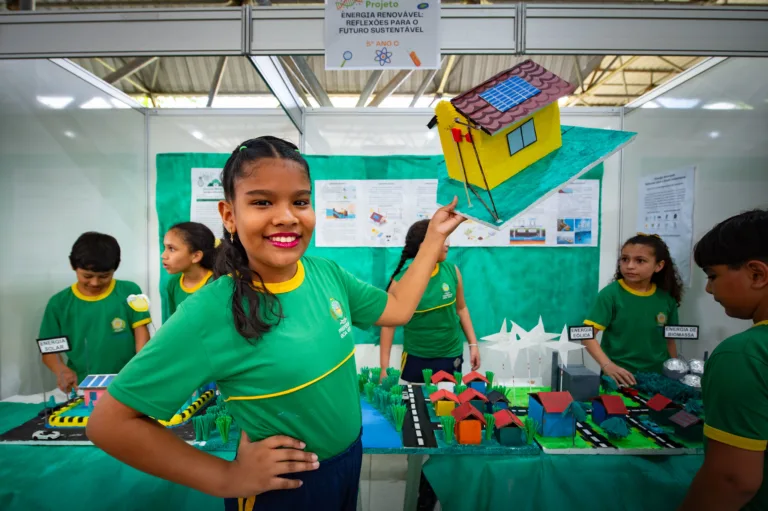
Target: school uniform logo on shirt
x,y
661,319
447,291
338,314
118,325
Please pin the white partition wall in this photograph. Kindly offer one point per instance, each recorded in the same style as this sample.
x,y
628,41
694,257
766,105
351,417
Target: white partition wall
x,y
718,122
197,131
404,132
73,160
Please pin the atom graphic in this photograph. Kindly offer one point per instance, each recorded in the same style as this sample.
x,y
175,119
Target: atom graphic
x,y
383,56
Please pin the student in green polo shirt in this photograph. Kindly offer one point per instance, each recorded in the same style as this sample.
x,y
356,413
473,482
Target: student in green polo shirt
x,y
431,339
190,250
104,319
274,332
633,309
734,255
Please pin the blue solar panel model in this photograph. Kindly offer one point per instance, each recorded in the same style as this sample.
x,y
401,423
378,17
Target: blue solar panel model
x,y
97,381
509,93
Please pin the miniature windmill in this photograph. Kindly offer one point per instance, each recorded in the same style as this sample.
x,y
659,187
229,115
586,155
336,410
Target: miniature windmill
x,y
504,148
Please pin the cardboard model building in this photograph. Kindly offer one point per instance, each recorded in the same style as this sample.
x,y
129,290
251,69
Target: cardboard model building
x,y
547,408
608,407
508,428
444,402
469,424
505,149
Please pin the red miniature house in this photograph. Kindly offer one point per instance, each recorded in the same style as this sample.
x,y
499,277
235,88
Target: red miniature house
x,y
508,428
444,402
444,381
547,408
472,396
475,380
661,408
607,407
469,424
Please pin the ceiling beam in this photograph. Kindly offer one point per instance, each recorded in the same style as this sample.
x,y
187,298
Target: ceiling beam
x,y
315,88
391,87
128,69
425,83
604,79
370,86
452,59
679,69
129,80
275,77
221,66
298,86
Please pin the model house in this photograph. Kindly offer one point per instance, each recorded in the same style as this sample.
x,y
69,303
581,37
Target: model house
x,y
508,428
94,386
469,424
444,402
607,407
497,400
444,381
475,380
688,426
547,408
475,398
661,408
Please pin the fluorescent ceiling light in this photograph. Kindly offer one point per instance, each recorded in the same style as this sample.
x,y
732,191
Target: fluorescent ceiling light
x,y
714,134
96,104
55,102
197,135
650,104
723,105
69,134
678,103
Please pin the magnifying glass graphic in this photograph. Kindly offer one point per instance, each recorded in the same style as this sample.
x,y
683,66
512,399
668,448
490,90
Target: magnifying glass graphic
x,y
347,56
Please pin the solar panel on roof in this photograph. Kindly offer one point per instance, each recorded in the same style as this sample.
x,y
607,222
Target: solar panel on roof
x,y
87,381
509,93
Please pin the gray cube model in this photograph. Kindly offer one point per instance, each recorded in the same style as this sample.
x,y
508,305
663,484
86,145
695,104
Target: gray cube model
x,y
582,383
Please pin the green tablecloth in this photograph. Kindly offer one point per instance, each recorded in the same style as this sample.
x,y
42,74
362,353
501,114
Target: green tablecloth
x,y
561,482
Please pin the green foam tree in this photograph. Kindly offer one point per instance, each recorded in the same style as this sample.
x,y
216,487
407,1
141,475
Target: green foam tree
x,y
51,402
222,424
366,372
197,423
369,388
615,427
490,420
395,399
396,390
457,377
375,374
609,383
431,389
531,426
207,426
361,381
448,422
459,389
427,374
489,376
398,415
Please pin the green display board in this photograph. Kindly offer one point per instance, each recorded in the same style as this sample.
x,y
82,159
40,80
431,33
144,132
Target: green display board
x,y
519,283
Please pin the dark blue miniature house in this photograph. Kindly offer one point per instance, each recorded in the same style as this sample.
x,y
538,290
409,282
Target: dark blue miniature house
x,y
607,407
475,380
497,401
508,428
547,408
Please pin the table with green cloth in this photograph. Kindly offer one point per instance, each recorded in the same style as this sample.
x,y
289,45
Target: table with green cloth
x,y
83,478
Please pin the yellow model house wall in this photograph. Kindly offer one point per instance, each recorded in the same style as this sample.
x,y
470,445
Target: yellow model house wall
x,y
494,150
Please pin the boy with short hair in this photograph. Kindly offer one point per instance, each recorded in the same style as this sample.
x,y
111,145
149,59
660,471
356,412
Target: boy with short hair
x,y
734,255
104,319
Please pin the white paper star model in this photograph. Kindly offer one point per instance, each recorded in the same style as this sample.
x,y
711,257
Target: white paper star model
x,y
501,336
563,346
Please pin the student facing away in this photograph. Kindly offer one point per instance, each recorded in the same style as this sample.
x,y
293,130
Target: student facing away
x,y
188,255
633,310
734,255
104,330
274,332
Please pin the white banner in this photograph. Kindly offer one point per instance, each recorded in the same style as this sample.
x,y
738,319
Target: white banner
x,y
378,213
207,191
383,34
665,207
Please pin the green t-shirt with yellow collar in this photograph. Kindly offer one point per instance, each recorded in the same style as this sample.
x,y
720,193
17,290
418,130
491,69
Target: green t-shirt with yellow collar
x,y
299,379
735,394
177,292
433,331
633,325
99,328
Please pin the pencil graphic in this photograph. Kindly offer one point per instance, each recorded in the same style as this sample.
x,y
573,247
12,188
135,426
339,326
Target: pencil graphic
x,y
415,59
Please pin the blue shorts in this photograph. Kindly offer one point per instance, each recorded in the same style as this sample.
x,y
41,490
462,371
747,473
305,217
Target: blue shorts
x,y
412,366
332,487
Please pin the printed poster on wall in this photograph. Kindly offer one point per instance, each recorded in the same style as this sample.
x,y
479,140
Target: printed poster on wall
x,y
382,34
378,213
665,207
207,191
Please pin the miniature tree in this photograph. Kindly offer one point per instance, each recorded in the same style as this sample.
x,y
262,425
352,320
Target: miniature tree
x,y
197,423
531,426
615,427
694,407
222,424
206,424
398,416
427,374
431,389
575,410
369,388
366,373
457,376
448,422
361,381
73,394
386,384
375,374
396,390
220,401
609,383
489,376
459,389
490,420
51,402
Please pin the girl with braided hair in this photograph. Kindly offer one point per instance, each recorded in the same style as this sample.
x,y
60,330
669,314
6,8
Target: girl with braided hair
x,y
431,338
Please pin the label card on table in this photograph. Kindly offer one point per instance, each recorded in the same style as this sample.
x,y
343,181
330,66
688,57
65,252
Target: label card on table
x,y
581,333
681,332
53,345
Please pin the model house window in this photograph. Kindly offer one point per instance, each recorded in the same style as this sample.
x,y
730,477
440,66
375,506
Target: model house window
x,y
521,137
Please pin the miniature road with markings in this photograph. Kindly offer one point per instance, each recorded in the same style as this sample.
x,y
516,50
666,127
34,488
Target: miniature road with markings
x,y
417,428
592,436
661,439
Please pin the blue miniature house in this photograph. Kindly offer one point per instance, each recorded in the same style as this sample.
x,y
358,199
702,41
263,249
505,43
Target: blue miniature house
x,y
496,401
608,407
547,408
475,380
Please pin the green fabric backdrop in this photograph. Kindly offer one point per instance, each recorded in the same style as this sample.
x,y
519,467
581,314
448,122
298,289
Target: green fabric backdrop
x,y
519,283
